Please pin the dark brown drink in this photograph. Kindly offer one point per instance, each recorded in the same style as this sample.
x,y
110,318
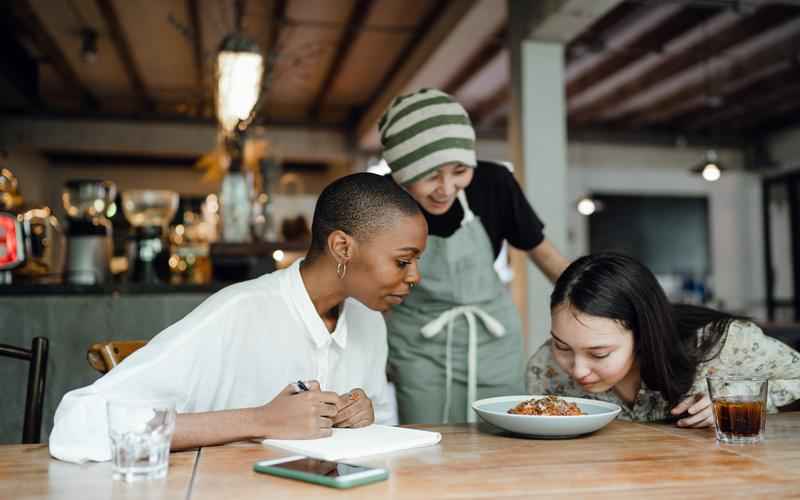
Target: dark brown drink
x,y
739,418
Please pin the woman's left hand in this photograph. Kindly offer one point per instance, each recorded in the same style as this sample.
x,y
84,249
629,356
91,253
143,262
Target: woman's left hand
x,y
700,410
355,410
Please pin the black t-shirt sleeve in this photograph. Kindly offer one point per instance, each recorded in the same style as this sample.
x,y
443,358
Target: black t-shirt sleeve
x,y
509,215
495,196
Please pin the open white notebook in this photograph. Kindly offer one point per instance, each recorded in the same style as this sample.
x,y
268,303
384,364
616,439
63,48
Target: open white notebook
x,y
355,443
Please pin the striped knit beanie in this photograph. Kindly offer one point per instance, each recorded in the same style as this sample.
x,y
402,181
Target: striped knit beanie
x,y
422,131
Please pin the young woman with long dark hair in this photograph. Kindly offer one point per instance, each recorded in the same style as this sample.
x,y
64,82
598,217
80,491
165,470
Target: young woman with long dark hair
x,y
617,338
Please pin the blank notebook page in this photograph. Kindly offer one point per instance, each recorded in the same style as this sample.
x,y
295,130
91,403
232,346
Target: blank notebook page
x,y
357,443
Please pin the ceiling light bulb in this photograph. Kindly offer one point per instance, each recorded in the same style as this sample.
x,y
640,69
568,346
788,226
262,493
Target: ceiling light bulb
x,y
586,206
711,172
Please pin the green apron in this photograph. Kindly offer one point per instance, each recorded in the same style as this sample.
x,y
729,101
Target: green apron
x,y
457,337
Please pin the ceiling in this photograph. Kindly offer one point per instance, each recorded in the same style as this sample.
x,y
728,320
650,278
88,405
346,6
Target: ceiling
x,y
727,68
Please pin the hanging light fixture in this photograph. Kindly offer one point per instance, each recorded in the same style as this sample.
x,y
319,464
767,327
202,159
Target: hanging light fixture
x,y
710,169
240,67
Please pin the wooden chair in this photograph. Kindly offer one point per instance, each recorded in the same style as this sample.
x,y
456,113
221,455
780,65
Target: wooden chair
x,y
104,356
37,376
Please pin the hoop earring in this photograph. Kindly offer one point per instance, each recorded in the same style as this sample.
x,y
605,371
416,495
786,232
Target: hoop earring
x,y
341,270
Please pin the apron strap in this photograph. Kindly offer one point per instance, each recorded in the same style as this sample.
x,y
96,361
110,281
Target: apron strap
x,y
468,214
448,319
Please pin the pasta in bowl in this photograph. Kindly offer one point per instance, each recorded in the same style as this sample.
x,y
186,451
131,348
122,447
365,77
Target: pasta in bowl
x,y
546,416
548,406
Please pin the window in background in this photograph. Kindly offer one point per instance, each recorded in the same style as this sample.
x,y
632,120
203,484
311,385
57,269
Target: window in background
x,y
669,234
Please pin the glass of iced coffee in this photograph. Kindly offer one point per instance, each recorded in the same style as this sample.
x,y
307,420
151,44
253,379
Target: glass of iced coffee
x,y
740,407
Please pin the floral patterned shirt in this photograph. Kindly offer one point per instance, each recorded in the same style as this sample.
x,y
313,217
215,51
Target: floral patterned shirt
x,y
745,351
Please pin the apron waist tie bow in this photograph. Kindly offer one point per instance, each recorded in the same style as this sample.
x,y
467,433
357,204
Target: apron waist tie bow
x,y
448,318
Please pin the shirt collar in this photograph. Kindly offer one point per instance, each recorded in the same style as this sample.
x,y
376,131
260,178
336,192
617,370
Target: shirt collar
x,y
298,294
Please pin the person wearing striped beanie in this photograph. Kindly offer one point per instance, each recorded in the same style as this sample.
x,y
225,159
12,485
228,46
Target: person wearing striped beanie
x,y
458,336
424,131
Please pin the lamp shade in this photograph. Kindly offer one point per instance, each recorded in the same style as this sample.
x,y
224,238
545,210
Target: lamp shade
x,y
240,67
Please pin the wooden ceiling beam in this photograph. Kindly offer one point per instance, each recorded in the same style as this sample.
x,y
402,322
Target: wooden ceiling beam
x,y
27,19
265,33
652,40
654,136
483,112
497,118
767,17
594,38
428,35
271,54
758,104
358,17
195,19
691,97
18,69
785,116
278,18
123,48
493,46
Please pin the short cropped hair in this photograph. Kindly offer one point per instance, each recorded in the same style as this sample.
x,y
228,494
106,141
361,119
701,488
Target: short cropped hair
x,y
361,205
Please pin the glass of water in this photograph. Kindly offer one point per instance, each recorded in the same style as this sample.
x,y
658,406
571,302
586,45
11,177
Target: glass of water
x,y
140,432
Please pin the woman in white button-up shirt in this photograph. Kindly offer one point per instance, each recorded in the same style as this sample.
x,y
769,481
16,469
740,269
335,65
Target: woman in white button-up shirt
x,y
229,364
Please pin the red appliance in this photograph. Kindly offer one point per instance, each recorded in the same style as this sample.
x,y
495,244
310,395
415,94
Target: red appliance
x,y
12,245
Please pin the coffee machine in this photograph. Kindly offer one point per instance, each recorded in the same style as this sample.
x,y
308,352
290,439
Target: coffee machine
x,y
149,212
46,247
89,242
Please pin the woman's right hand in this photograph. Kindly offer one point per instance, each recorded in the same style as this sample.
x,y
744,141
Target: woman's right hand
x,y
298,415
699,409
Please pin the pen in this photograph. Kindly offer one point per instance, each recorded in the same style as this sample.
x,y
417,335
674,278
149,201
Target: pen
x,y
302,386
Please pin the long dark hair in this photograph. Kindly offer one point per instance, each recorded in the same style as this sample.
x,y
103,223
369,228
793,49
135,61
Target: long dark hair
x,y
615,286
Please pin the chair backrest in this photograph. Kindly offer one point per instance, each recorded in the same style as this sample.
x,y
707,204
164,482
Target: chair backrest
x,y
104,356
36,356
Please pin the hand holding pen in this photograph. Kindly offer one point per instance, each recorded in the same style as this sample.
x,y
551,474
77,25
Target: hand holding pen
x,y
307,414
354,409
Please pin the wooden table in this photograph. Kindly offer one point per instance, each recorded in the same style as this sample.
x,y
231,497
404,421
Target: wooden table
x,y
624,460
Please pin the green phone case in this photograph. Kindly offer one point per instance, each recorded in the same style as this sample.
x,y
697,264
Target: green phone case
x,y
342,482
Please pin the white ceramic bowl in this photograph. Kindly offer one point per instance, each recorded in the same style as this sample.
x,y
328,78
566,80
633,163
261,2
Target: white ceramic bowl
x,y
495,411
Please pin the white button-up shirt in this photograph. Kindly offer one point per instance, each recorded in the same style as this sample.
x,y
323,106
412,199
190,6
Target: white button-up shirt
x,y
238,349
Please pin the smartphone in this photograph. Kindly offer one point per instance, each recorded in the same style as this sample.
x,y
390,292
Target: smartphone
x,y
333,474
